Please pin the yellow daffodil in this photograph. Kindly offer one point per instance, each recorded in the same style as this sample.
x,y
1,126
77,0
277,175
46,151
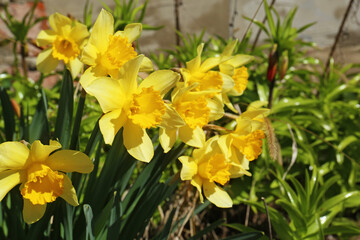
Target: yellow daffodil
x,y
245,142
196,109
201,73
107,51
234,67
40,173
66,39
208,168
136,108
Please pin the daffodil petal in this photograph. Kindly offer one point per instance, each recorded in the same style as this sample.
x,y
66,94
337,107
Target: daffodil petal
x,y
45,62
167,138
45,37
239,60
228,82
228,103
57,21
198,182
90,75
40,152
209,64
69,194
103,27
75,67
216,195
79,32
161,80
89,54
32,213
128,74
137,142
189,168
13,155
132,31
70,161
229,48
216,108
108,92
194,64
110,123
227,69
146,65
8,180
171,118
192,137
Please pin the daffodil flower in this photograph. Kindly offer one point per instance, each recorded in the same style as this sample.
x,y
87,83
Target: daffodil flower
x,y
106,51
196,109
208,168
234,67
40,173
135,108
66,39
244,144
201,73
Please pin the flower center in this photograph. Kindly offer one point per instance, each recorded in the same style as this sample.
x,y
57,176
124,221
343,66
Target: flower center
x,y
240,77
210,80
147,108
65,49
43,184
250,145
118,53
216,169
195,113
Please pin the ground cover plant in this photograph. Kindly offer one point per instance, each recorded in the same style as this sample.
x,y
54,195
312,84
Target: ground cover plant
x,y
213,139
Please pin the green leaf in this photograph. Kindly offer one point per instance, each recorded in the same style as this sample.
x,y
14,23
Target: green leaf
x,y
207,229
65,111
39,127
338,199
245,236
346,142
77,122
8,115
342,229
88,217
270,19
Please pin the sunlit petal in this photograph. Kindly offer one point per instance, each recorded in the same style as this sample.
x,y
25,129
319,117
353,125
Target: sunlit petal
x,y
75,67
216,195
69,193
103,27
197,182
192,137
40,152
45,37
70,161
161,80
189,168
57,21
137,142
45,62
108,92
8,180
167,138
13,155
110,123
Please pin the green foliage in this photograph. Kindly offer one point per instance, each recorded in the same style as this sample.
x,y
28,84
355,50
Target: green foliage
x,y
129,11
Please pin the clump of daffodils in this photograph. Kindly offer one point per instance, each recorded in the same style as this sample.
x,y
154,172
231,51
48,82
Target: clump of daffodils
x,y
196,94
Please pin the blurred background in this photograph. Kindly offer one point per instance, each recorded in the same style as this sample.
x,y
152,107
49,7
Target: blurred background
x,y
224,18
